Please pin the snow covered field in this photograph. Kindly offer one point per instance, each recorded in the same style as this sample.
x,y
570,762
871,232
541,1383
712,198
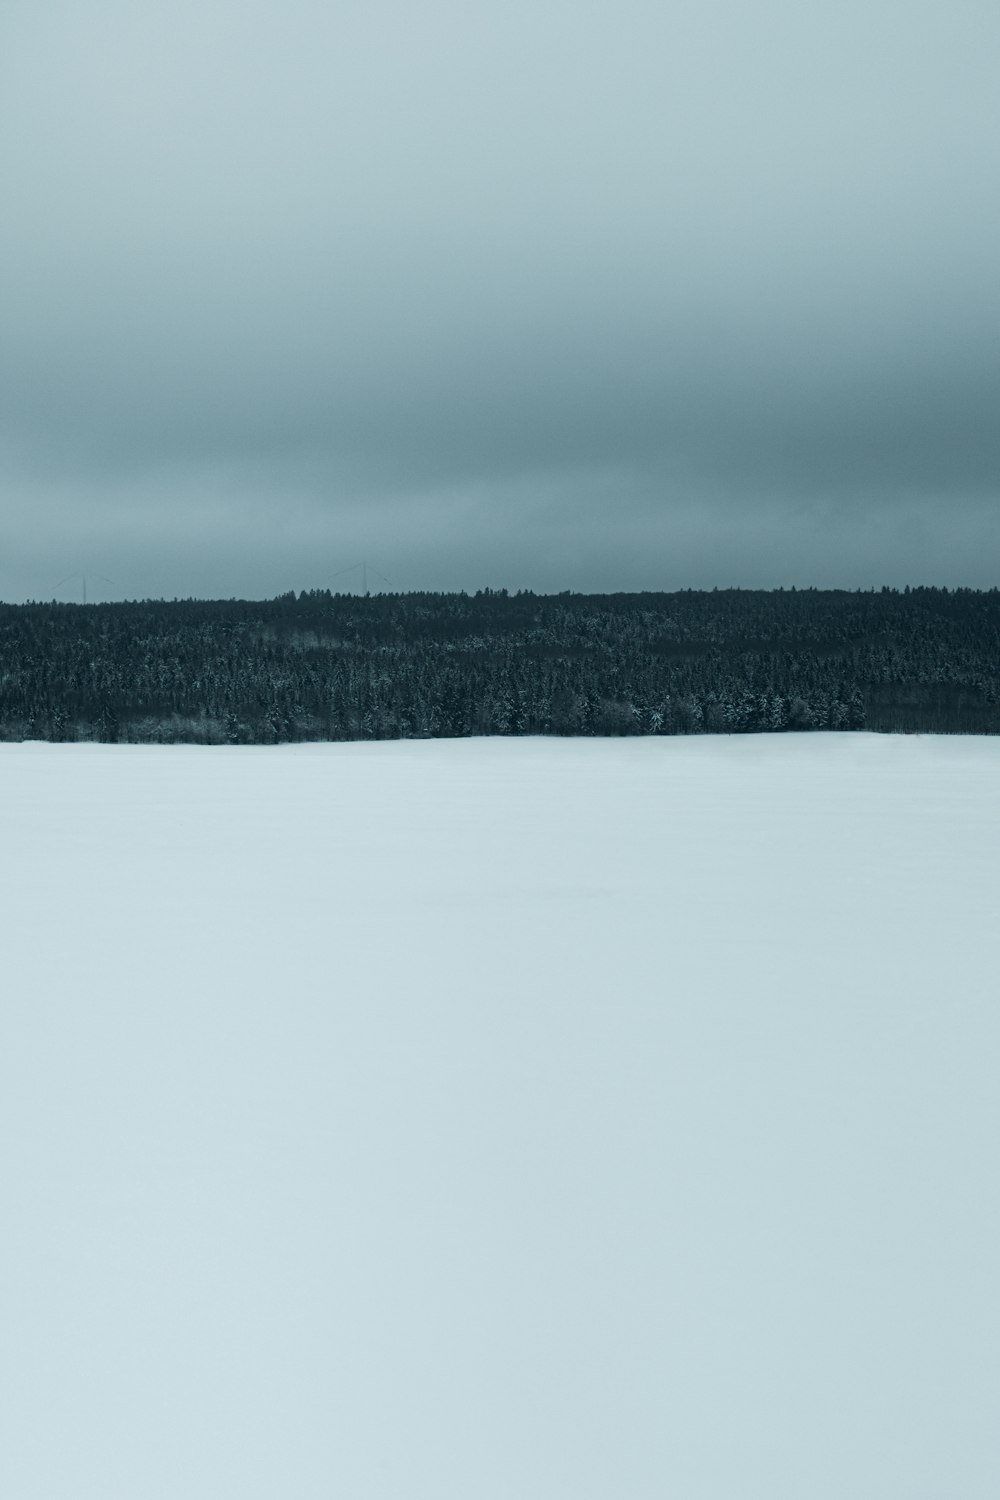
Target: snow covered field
x,y
501,1120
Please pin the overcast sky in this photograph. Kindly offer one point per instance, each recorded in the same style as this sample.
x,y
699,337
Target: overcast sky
x,y
547,295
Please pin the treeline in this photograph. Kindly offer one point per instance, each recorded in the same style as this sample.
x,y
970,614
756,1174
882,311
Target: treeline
x,y
322,666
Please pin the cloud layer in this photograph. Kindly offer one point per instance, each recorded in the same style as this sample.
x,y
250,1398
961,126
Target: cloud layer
x,y
589,296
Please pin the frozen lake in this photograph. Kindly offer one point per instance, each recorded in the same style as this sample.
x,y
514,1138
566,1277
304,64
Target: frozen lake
x,y
501,1120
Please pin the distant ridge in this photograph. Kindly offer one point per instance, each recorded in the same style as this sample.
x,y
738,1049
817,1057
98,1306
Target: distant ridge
x,y
319,665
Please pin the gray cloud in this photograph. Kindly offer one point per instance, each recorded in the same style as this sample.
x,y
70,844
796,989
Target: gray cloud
x,y
586,296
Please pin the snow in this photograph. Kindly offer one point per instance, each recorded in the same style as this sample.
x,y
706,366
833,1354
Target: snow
x,y
536,1119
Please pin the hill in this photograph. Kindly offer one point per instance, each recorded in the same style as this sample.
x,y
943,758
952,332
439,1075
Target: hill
x,y
322,666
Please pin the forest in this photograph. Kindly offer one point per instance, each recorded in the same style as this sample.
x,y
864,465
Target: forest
x,y
326,666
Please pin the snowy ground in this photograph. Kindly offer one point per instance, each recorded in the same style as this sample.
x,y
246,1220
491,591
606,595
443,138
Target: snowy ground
x,y
501,1120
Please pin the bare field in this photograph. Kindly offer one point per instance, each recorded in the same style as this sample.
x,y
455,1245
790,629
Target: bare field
x,y
492,1119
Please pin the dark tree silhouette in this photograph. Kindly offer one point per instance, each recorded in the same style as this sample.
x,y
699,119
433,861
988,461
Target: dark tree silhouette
x,y
337,666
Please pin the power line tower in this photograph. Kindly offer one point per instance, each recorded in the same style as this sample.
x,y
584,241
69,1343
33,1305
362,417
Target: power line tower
x,y
71,577
364,565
